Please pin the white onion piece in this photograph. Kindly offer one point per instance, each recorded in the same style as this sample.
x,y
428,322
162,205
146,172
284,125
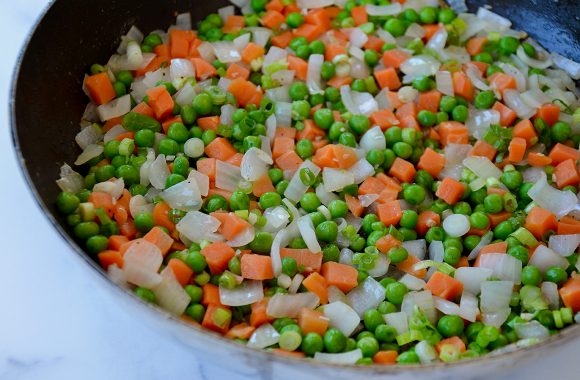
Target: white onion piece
x,y
260,35
70,180
295,284
243,238
417,248
113,188
264,336
485,240
134,54
184,196
514,101
384,10
335,294
368,199
386,36
226,52
456,225
420,65
336,179
374,138
117,276
381,266
276,218
342,317
358,103
324,195
496,318
296,188
495,296
412,282
121,62
255,164
500,22
227,176
158,172
472,277
169,293
535,63
398,320
436,251
289,305
197,226
115,108
306,228
141,263
247,293
425,352
550,293
476,77
564,245
284,77
474,25
136,204
438,40
313,78
281,240
367,295
383,101
534,98
415,31
531,330
570,67
557,201
446,307
533,174
90,152
350,357
313,4
227,112
180,69
504,267
225,12
420,4
424,301
454,155
90,134
358,38
206,51
482,167
242,41
456,53
361,170
544,258
134,34
468,306
444,83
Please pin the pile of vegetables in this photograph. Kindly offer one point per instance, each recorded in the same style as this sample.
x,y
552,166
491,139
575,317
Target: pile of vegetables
x,y
356,182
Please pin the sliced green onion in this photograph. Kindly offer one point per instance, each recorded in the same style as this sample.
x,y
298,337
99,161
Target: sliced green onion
x,y
525,237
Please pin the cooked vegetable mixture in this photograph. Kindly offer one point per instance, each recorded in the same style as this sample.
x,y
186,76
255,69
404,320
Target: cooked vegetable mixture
x,y
358,182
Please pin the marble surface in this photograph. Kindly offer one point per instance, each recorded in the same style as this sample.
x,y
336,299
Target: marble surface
x,y
54,323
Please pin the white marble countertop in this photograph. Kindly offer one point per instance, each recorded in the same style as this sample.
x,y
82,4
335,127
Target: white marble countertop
x,y
54,324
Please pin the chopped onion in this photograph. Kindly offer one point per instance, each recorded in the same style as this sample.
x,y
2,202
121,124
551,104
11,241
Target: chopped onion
x,y
425,352
374,138
476,77
381,266
532,329
384,10
289,305
121,62
517,74
226,52
544,258
227,176
482,167
485,240
183,21
169,293
282,239
504,267
358,68
336,179
117,276
138,204
474,25
184,196
557,201
384,103
473,277
313,4
570,67
90,152
550,293
454,155
494,20
436,251
255,164
386,36
264,336
358,103
306,228
415,31
141,263
242,41
296,188
417,248
535,63
181,69
496,318
358,38
276,218
444,83
456,225
90,134
361,170
226,12
134,54
335,294
398,320
197,226
134,34
350,357
420,4
313,78
247,293
419,65
158,172
115,108
70,180
207,52
295,284
468,306
446,307
564,245
438,40
514,101
496,296
534,98
324,195
367,295
412,282
456,53
114,188
424,301
284,77
342,317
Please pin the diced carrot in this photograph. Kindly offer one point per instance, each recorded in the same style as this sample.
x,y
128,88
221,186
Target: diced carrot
x,y
203,69
394,58
118,120
403,170
291,354
384,119
517,149
217,256
299,65
426,220
430,30
538,159
289,161
462,85
160,101
110,257
450,190
310,261
333,50
316,284
390,213
386,357
566,174
345,156
498,217
256,267
310,131
282,40
506,115
454,341
312,321
453,132
245,92
317,144
181,271
332,12
240,331
126,135
194,48
483,149
210,295
234,24
444,286
167,123
220,148
409,122
387,242
128,229
252,51
570,294
143,109
275,5
388,78
209,122
561,153
237,71
540,221
371,185
281,146
258,315
568,226
389,181
285,132
481,66
207,167
408,266
100,88
526,130
374,43
475,45
116,241
493,248
309,31
354,205
209,321
432,162
160,238
232,225
407,110
162,50
342,276
102,200
179,41
263,185
236,159
338,82
550,113
463,262
318,17
359,15
429,101
502,82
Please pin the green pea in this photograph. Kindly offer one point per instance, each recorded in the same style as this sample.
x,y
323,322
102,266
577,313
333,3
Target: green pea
x,y
332,94
395,26
310,202
125,77
451,255
460,113
168,147
317,47
67,203
414,194
282,186
479,220
519,252
111,149
395,292
327,231
324,118
312,343
359,85
330,253
338,208
484,57
97,243
173,179
426,118
359,124
372,319
375,157
368,345
300,110
450,325
423,83
202,104
531,275
484,100
334,340
196,261
294,19
556,275
512,179
129,174
435,234
493,203
508,45
262,242
270,199
85,230
145,138
503,230
560,131
447,103
239,201
428,15
214,203
397,255
178,132
303,51
371,57
446,15
347,139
